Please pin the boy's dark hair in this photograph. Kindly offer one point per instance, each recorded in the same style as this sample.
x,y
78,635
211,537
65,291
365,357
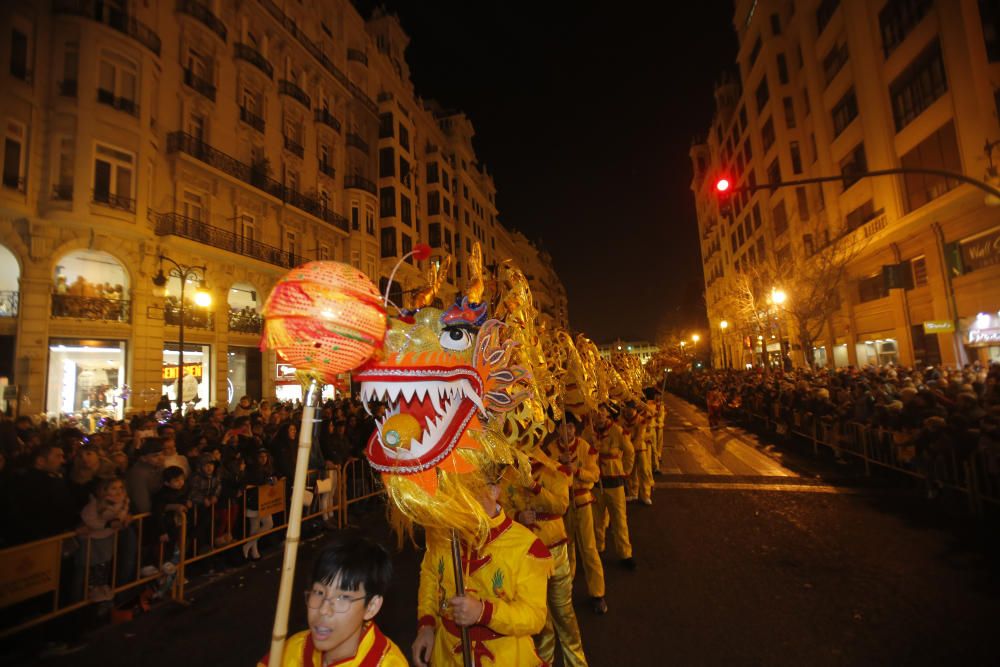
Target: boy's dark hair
x,y
171,473
356,560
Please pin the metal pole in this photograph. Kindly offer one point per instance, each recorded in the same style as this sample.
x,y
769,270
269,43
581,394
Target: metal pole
x,y
456,562
180,354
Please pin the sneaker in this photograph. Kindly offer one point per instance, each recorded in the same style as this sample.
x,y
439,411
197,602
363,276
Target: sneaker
x,y
630,499
628,563
647,501
599,606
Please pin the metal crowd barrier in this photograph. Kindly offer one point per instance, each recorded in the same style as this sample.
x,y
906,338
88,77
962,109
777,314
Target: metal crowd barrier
x,y
48,578
976,475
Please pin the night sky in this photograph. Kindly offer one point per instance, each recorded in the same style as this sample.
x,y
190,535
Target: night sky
x,y
584,113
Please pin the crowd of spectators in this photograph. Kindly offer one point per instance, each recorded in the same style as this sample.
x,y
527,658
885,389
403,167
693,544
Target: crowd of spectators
x,y
929,414
59,479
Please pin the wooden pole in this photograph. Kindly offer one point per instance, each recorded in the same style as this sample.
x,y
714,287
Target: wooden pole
x,y
294,530
456,562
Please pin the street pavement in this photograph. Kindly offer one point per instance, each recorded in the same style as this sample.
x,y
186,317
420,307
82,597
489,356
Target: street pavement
x,y
750,555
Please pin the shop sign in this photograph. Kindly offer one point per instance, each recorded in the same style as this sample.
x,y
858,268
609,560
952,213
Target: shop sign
x,y
170,372
28,571
984,337
284,372
271,498
939,326
981,252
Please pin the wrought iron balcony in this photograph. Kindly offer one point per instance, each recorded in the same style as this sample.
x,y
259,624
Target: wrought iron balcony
x,y
358,56
200,85
62,191
245,320
354,140
203,14
324,116
327,169
254,57
294,146
14,182
290,88
337,220
120,103
252,119
113,200
195,317
9,302
179,225
111,16
67,88
91,308
356,182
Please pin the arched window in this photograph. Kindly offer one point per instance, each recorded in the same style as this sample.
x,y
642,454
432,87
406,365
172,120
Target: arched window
x,y
244,309
10,276
90,284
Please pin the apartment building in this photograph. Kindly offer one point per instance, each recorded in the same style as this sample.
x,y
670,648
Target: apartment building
x,y
242,136
846,87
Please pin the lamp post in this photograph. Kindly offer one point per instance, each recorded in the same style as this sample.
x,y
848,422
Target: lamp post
x,y
723,325
778,297
202,298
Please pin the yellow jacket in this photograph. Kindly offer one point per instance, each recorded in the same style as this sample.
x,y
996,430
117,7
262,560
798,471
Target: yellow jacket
x,y
509,574
548,497
374,649
582,458
638,432
615,453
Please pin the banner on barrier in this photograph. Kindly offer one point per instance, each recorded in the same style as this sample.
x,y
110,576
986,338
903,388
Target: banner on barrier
x,y
271,499
28,571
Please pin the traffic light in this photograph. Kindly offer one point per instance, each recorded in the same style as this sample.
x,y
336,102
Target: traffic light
x,y
724,192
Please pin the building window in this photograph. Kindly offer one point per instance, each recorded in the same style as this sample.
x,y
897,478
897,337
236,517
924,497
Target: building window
x,y
355,216
774,174
812,147
387,202
407,247
434,234
762,95
433,203
432,173
898,18
938,151
754,52
404,137
845,111
871,288
834,61
113,177
386,163
767,135
20,67
789,113
989,12
854,166
780,217
824,13
13,157
370,219
385,126
405,213
292,243
918,86
803,202
782,69
860,215
775,24
796,156
118,83
918,265
323,253
747,150
63,188
193,206
388,241
356,260
755,214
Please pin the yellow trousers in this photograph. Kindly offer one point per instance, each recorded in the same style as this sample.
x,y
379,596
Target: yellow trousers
x,y
561,619
640,482
611,504
658,449
580,529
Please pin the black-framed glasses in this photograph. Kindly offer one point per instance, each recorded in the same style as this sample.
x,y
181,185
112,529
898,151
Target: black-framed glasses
x,y
339,604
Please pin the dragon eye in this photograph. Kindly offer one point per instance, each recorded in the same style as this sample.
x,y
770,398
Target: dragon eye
x,y
456,339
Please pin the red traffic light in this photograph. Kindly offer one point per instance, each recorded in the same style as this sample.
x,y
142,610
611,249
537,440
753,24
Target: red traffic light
x,y
722,185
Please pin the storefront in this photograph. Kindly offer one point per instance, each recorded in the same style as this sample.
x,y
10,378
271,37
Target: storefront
x,y
877,349
86,379
197,378
981,336
244,374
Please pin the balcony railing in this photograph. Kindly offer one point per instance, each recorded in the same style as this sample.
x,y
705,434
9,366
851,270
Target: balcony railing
x,y
111,16
294,146
9,301
14,182
203,14
324,116
200,85
62,192
245,320
336,219
357,56
91,308
120,103
179,225
67,88
113,200
254,57
327,169
290,88
360,183
356,141
195,317
252,119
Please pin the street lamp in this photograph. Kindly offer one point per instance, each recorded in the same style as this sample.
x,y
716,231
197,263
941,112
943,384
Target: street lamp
x,y
202,298
778,297
695,338
723,325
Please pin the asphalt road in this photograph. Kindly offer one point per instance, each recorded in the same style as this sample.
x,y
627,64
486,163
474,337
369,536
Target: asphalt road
x,y
748,556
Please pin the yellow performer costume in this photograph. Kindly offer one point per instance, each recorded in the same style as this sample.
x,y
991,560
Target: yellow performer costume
x,y
508,574
660,420
640,482
374,650
541,507
616,458
580,458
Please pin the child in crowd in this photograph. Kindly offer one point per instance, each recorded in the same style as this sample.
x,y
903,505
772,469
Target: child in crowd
x,y
349,580
169,504
203,492
261,472
106,512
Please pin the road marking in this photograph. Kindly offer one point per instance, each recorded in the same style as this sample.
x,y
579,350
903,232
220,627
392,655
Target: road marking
x,y
753,458
745,486
705,460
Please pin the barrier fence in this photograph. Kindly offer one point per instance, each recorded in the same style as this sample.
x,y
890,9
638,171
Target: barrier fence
x,y
973,472
57,575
